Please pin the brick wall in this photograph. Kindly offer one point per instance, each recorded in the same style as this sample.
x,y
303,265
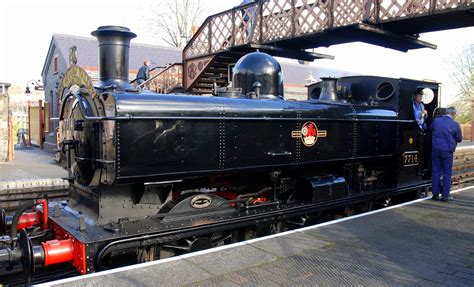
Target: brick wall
x,y
4,122
294,92
466,132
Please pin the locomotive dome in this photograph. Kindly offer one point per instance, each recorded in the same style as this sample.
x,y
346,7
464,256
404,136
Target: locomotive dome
x,y
259,69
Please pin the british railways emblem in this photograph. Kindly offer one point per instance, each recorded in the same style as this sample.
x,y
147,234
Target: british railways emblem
x,y
309,134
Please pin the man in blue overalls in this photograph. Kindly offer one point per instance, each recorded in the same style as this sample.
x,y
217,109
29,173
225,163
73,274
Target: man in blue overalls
x,y
446,134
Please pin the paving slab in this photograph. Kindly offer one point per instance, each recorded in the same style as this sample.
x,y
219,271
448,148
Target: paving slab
x,y
31,164
32,174
425,243
157,275
232,259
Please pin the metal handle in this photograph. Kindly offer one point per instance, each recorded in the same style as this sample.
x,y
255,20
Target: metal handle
x,y
285,153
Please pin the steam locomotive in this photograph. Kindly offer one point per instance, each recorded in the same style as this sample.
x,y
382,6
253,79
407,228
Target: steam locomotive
x,y
153,175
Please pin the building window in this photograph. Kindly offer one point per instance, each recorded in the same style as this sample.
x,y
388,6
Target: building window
x,y
55,64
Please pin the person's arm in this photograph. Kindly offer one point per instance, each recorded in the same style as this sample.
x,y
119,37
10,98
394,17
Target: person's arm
x,y
458,133
432,126
140,72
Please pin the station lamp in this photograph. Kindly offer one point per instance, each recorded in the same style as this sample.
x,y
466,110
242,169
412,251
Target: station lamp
x,y
36,84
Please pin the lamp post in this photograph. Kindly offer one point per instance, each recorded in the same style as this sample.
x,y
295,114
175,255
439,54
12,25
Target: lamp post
x,y
36,84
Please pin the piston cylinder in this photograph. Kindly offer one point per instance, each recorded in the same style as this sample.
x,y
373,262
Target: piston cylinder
x,y
58,251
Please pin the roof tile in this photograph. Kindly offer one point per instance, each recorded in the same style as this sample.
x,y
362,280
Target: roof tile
x,y
87,52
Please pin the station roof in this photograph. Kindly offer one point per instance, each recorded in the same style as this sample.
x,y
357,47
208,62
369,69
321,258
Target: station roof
x,y
87,52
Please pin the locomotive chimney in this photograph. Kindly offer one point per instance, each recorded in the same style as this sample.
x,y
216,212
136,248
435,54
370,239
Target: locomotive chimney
x,y
114,45
329,90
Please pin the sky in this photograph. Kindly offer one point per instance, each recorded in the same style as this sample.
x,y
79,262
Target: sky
x,y
26,28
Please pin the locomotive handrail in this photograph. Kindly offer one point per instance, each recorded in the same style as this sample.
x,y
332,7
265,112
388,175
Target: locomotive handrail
x,y
285,153
154,77
80,100
89,118
159,74
82,109
151,70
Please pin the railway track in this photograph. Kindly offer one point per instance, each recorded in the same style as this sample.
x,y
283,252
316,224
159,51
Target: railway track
x,y
463,166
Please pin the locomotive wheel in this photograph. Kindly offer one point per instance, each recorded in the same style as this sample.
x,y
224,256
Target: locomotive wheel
x,y
199,244
317,218
27,259
421,193
194,203
253,232
3,227
384,201
194,244
306,220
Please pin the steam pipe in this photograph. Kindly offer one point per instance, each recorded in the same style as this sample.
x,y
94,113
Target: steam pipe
x,y
18,213
21,220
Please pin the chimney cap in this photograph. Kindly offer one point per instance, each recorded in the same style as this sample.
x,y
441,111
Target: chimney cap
x,y
113,29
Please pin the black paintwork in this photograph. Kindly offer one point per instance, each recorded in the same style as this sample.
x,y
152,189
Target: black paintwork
x,y
114,43
148,169
198,140
259,69
195,135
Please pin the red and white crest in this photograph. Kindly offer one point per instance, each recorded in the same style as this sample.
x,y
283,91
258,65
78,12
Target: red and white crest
x,y
309,134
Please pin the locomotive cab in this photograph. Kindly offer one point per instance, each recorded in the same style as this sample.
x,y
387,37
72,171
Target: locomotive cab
x,y
379,95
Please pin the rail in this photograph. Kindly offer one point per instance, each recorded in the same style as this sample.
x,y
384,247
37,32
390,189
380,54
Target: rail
x,y
166,79
268,21
151,70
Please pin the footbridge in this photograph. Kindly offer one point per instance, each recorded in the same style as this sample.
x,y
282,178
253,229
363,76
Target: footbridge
x,y
289,27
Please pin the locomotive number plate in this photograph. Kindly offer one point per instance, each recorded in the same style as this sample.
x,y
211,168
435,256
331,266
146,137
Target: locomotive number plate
x,y
411,158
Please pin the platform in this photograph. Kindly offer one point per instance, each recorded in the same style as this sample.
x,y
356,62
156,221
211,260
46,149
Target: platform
x,y
420,243
32,173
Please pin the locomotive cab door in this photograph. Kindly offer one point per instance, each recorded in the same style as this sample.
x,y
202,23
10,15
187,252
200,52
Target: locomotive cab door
x,y
415,142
